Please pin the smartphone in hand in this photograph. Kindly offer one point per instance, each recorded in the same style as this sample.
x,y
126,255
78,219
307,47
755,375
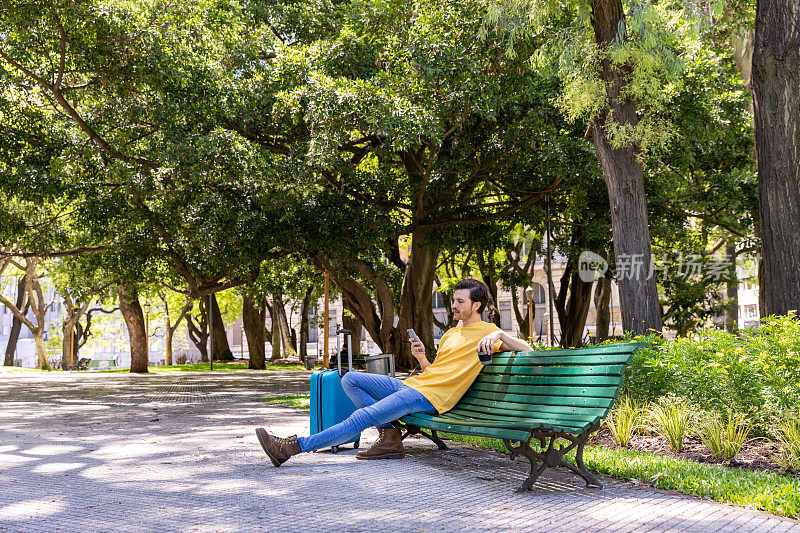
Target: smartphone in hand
x,y
413,335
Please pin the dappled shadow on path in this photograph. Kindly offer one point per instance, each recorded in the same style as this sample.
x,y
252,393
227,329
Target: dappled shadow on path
x,y
85,462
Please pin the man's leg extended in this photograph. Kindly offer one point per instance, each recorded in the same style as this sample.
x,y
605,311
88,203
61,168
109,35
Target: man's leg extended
x,y
381,413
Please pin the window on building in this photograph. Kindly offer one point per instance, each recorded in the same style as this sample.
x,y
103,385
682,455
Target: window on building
x,y
505,315
333,325
441,316
538,293
437,300
313,327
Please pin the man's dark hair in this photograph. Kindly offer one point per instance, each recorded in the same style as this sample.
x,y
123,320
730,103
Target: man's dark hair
x,y
478,292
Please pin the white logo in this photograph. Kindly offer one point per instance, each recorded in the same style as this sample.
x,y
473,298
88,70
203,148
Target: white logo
x,y
591,266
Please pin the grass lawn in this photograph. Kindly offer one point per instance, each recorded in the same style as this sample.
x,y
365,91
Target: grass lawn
x,y
193,367
16,369
764,491
298,401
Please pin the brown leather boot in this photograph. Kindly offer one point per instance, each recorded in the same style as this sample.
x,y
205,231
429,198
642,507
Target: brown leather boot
x,y
279,450
388,446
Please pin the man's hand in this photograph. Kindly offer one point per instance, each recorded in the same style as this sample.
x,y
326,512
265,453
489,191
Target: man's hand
x,y
418,351
486,344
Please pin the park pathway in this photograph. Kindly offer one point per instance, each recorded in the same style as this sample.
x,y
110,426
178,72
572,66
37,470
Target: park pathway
x,y
177,452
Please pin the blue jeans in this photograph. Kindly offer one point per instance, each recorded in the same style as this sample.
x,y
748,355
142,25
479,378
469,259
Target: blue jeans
x,y
380,400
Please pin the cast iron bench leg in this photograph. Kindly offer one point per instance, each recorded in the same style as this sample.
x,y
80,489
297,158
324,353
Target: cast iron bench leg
x,y
416,430
553,456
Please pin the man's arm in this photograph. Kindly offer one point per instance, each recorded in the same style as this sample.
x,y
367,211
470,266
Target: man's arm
x,y
509,343
514,344
418,351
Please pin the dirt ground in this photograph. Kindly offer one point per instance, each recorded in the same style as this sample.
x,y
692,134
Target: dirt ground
x,y
756,454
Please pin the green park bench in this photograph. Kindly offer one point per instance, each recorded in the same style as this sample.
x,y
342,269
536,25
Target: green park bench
x,y
546,395
102,363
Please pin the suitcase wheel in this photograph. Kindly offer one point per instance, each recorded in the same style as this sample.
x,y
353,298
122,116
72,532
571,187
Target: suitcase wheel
x,y
334,449
356,444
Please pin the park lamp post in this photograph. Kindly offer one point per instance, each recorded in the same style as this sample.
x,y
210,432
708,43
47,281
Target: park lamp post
x,y
529,292
549,340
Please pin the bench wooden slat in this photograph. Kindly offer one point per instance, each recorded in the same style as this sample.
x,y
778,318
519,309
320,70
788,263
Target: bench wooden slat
x,y
560,418
523,424
476,431
547,390
502,359
575,381
527,408
528,370
540,400
506,410
456,424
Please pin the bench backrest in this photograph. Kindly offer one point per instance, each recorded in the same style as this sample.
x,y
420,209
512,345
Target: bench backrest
x,y
577,385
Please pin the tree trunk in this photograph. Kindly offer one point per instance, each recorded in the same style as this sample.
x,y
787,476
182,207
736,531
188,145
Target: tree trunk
x,y
168,347
523,319
134,320
602,303
279,317
776,93
276,339
253,322
41,349
16,324
220,348
304,324
623,175
69,342
572,303
580,299
415,301
352,324
198,333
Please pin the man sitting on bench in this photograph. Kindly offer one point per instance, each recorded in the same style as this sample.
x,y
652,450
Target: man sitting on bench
x,y
383,399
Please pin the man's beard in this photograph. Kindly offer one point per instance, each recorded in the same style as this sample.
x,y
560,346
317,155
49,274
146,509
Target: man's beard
x,y
465,316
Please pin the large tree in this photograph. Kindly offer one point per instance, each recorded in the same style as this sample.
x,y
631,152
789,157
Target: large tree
x,y
615,66
416,133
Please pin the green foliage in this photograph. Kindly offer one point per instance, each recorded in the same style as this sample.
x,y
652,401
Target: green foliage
x,y
754,373
623,420
670,418
789,438
651,45
724,439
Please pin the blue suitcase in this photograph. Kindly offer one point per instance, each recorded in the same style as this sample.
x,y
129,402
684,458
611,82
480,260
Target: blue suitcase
x,y
329,403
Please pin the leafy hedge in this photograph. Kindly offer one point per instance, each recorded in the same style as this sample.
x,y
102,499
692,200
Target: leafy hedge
x,y
756,372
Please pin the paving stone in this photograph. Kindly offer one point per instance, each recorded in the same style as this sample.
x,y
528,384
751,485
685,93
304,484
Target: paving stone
x,y
118,452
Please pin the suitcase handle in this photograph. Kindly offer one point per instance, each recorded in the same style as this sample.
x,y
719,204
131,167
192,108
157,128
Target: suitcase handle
x,y
349,335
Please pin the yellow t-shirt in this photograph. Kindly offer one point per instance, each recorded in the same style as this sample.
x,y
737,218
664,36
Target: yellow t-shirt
x,y
446,380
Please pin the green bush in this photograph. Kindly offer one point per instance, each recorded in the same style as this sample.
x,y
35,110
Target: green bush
x,y
755,373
